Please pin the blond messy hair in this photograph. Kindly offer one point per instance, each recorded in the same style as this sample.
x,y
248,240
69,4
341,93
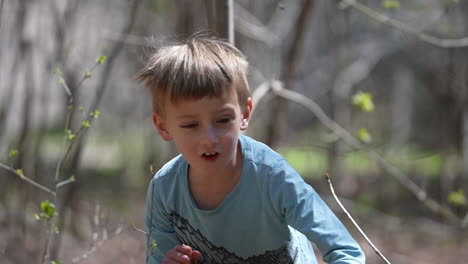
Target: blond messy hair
x,y
193,69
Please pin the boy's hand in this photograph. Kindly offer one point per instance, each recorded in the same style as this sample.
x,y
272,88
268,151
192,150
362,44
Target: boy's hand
x,y
182,254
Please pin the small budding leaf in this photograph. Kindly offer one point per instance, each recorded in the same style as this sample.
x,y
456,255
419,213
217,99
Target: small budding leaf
x,y
20,172
96,113
69,107
391,4
70,135
13,153
101,59
87,74
86,124
58,71
363,101
154,246
458,198
364,135
56,230
81,108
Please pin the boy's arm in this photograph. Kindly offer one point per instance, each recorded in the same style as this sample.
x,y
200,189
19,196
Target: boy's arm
x,y
161,236
305,211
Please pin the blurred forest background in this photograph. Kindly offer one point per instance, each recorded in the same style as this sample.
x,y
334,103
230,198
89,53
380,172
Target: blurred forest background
x,y
374,92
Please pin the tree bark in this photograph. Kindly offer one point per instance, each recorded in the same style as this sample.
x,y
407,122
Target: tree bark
x,y
276,125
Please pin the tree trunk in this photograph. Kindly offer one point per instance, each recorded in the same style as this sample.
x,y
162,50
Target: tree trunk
x,y
340,107
402,109
276,124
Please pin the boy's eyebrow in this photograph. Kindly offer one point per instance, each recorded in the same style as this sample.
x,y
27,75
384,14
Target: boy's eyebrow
x,y
185,116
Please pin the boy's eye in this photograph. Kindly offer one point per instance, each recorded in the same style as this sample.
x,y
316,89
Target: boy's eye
x,y
189,126
224,120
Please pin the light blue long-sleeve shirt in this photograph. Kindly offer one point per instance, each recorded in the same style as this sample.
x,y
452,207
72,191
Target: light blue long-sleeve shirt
x,y
269,217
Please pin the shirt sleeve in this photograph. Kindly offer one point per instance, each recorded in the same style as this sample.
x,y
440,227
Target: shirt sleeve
x,y
161,236
305,211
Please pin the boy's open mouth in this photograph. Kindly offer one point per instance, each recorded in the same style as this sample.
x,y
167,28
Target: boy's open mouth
x,y
210,155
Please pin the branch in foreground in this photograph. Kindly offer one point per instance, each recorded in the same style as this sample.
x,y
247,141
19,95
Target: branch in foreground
x,y
28,180
439,42
90,252
350,140
376,250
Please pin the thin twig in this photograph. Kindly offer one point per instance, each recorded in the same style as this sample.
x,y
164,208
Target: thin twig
x,y
137,229
46,254
439,42
230,21
65,182
30,181
58,169
377,251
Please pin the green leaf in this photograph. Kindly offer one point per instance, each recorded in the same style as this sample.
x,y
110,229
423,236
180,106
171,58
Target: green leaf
x,y
391,4
56,230
363,101
47,211
81,108
96,113
458,198
13,153
48,208
364,135
87,74
86,124
154,246
101,59
69,107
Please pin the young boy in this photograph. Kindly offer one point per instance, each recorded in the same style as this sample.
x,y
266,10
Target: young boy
x,y
227,198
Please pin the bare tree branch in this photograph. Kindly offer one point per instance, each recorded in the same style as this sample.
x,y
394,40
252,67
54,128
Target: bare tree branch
x,y
32,182
350,140
439,42
377,251
465,221
250,26
95,247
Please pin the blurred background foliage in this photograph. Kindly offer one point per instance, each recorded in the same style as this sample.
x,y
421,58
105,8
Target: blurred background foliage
x,y
397,81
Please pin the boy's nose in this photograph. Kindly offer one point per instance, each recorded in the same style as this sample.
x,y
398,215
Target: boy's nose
x,y
210,136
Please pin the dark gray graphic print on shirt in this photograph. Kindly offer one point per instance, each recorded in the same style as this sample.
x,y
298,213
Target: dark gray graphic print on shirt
x,y
212,254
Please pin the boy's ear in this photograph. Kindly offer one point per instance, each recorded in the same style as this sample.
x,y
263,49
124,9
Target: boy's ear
x,y
246,114
160,125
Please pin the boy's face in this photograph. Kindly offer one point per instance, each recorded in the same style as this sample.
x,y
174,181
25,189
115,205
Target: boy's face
x,y
205,130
